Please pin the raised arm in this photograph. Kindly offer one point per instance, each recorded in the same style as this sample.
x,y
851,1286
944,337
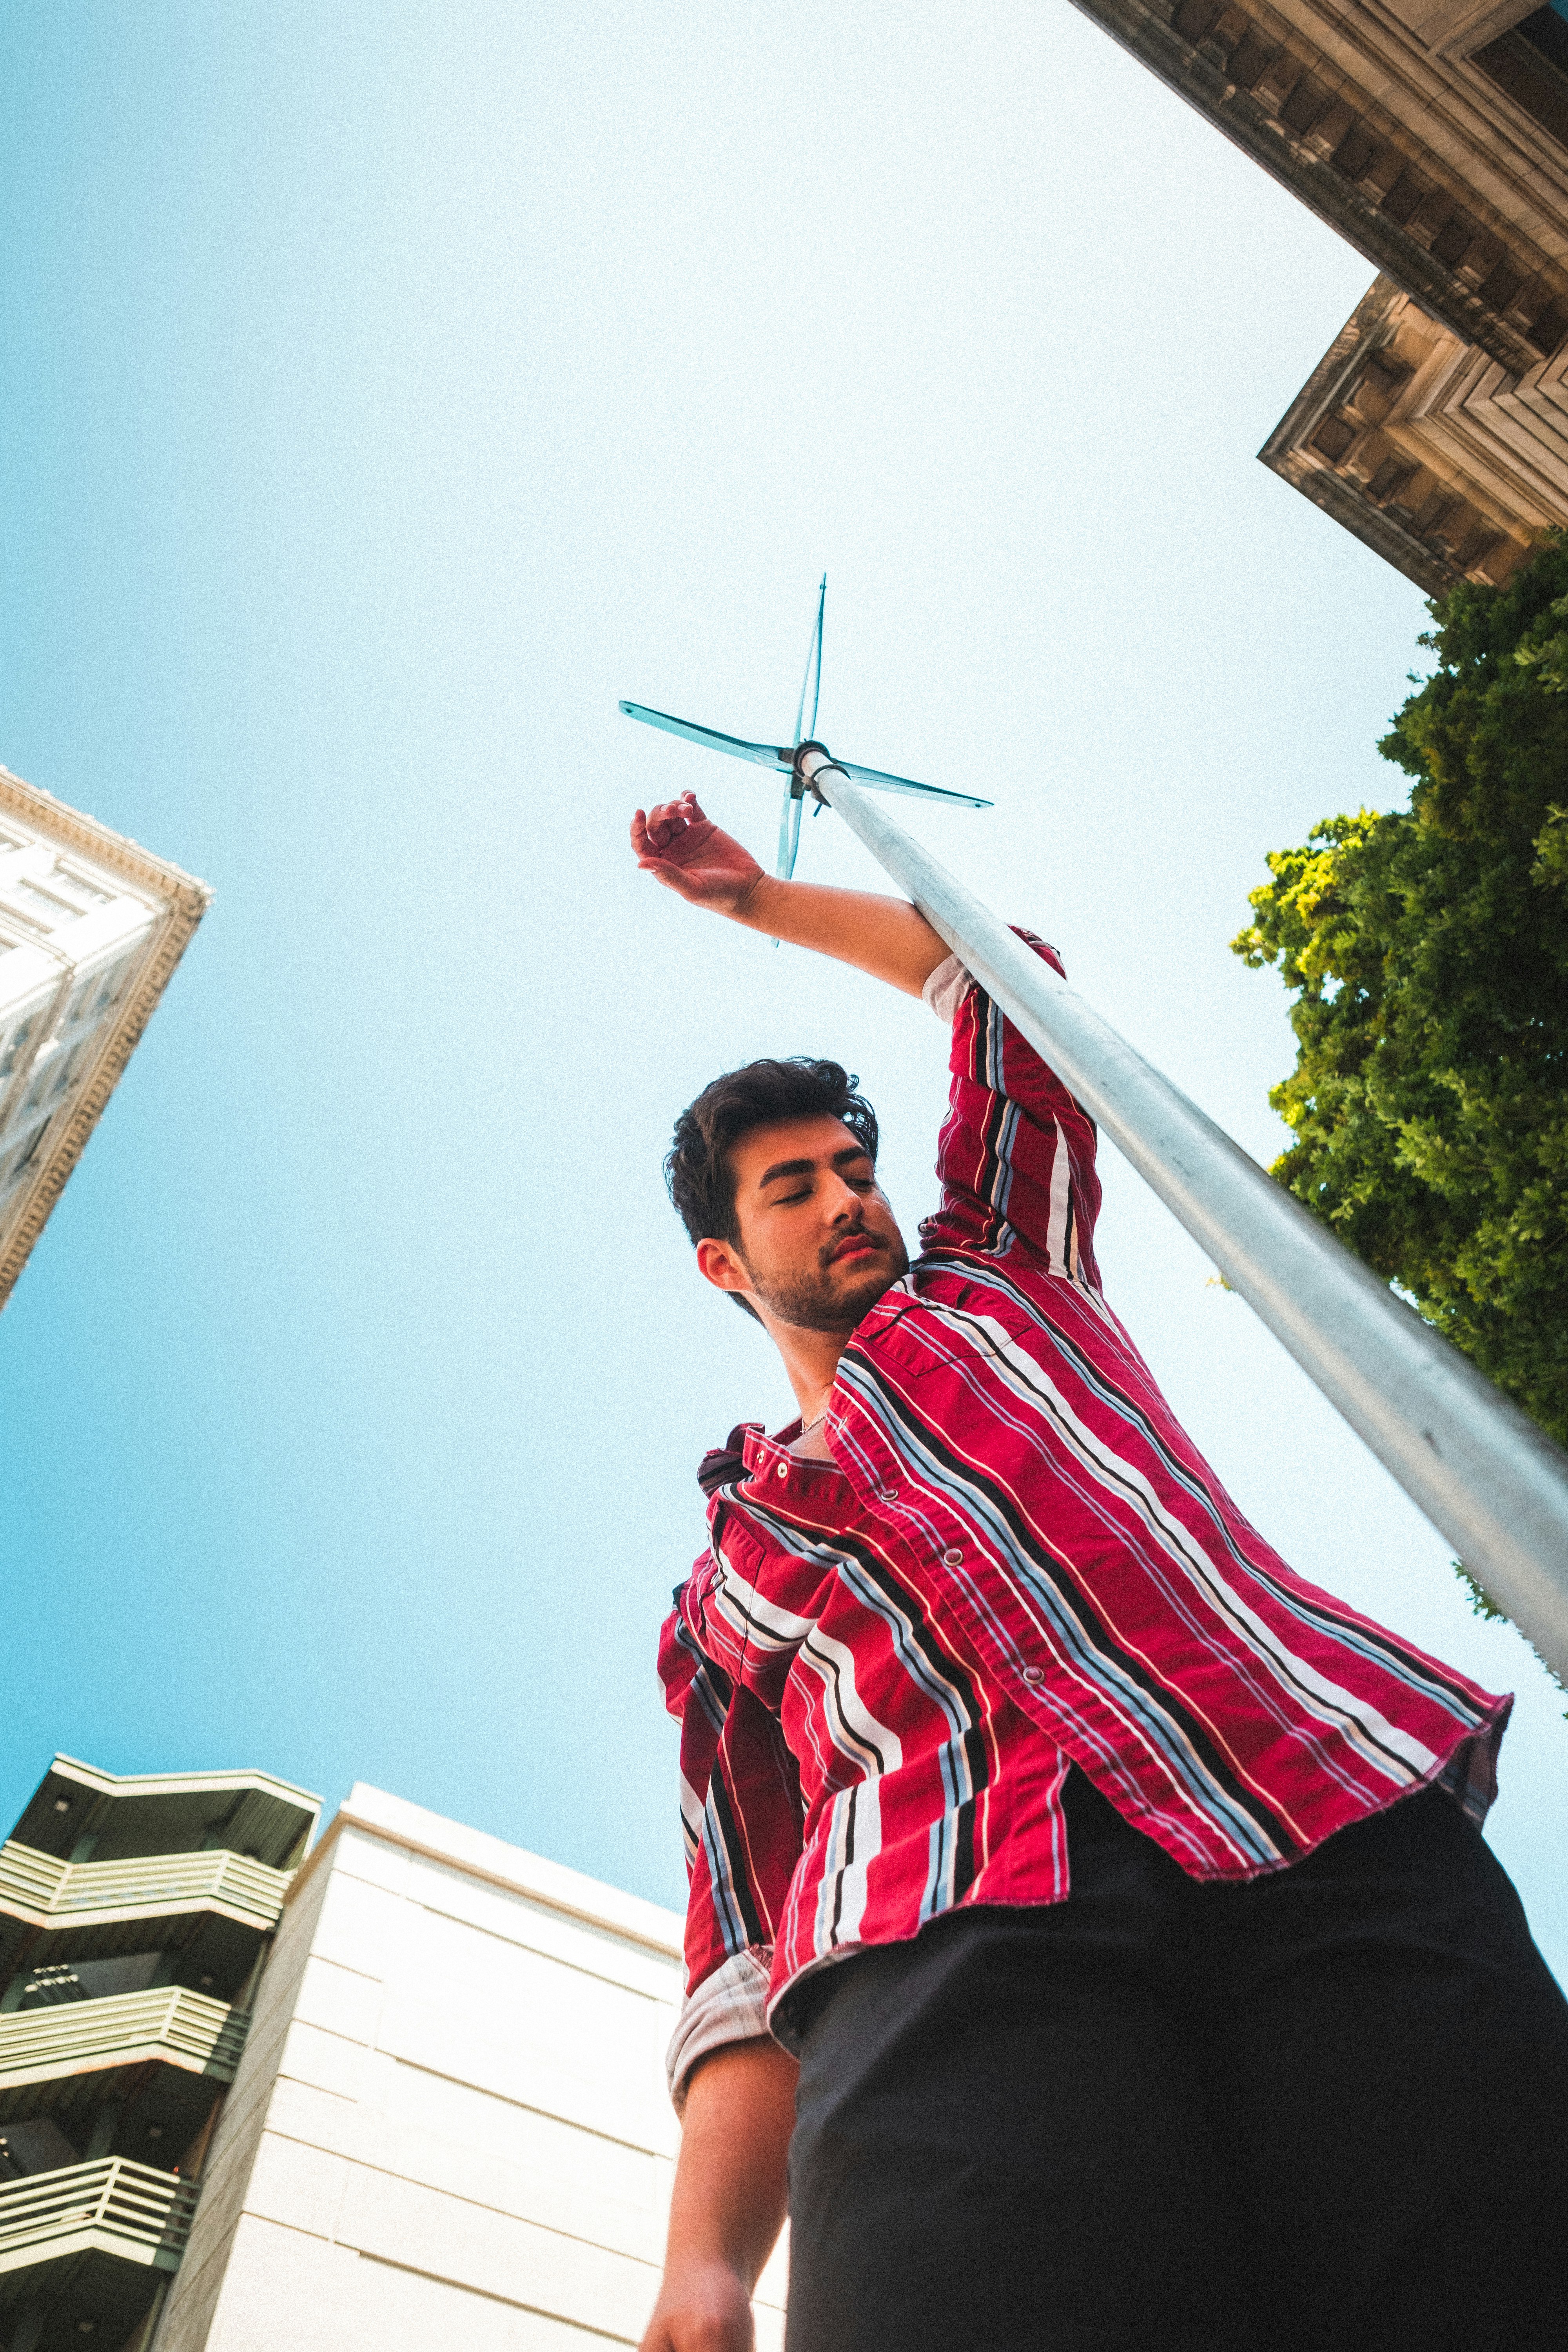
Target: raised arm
x,y
685,850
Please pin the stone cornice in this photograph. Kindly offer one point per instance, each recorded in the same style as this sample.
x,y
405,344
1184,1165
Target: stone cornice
x,y
72,830
1434,455
1379,136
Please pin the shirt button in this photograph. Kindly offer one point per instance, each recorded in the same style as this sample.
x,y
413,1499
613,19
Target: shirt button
x,y
1034,1674
886,1493
952,1557
784,1469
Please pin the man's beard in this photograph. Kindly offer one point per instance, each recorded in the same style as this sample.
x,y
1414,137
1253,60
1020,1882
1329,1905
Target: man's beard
x,y
809,1301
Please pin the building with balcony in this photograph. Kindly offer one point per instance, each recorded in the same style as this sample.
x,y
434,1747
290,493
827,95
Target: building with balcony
x,y
1433,135
449,2130
90,929
135,1916
406,2089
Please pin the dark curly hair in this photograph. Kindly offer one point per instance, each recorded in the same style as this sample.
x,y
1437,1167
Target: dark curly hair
x,y
697,1166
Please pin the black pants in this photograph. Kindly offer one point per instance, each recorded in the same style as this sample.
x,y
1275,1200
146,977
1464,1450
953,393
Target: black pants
x,y
1325,2111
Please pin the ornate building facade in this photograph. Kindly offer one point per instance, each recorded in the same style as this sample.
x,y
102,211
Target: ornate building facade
x,y
90,929
1433,135
1430,450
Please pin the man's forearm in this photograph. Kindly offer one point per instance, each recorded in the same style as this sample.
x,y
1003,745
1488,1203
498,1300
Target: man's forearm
x,y
886,937
682,847
729,2200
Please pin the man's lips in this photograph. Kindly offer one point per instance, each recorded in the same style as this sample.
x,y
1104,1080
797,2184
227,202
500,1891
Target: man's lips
x,y
855,1245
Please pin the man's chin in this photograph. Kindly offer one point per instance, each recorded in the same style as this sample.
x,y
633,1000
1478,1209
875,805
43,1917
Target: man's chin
x,y
864,1285
834,1305
857,1286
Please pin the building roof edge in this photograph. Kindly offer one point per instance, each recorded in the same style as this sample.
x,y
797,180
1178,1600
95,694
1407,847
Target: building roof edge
x,y
377,1813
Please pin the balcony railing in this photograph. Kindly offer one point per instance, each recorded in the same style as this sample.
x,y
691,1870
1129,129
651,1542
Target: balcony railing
x,y
184,2029
46,1890
114,2207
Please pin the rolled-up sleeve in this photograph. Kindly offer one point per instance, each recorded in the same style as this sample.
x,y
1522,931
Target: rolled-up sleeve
x,y
732,2005
946,988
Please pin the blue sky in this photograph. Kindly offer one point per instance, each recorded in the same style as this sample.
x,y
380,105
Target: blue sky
x,y
390,389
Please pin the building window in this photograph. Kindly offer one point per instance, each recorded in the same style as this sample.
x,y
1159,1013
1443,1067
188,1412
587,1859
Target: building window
x,y
52,911
1530,63
79,890
23,1156
68,1071
114,982
13,1050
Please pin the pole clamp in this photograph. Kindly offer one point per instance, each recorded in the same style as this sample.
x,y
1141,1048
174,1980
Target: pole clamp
x,y
804,783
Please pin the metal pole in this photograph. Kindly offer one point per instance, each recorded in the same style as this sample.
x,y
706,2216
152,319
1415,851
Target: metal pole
x,y
1492,1482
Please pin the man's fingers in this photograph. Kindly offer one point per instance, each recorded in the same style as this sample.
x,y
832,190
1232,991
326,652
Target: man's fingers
x,y
658,833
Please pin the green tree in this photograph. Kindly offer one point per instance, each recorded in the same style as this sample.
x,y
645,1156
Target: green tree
x,y
1428,950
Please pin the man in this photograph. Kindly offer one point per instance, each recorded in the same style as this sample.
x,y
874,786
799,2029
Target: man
x,y
1090,1935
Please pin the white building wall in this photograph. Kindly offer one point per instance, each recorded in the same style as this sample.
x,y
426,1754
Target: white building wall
x,y
90,927
451,2129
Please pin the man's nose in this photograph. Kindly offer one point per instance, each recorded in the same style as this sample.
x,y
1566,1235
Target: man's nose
x,y
843,1200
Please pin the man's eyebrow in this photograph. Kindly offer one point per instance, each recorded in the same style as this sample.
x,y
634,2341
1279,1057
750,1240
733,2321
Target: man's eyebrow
x,y
805,1167
787,1168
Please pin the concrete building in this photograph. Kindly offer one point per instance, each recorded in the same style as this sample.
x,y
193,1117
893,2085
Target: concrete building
x,y
1434,135
450,2130
90,929
135,1915
1426,448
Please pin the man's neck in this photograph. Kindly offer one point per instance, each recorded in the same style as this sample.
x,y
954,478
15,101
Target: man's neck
x,y
810,1360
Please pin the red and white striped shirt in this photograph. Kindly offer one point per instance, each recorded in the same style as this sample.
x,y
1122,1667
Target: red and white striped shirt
x,y
1017,1560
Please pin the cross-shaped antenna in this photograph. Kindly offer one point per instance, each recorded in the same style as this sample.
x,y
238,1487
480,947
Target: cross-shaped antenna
x,y
788,755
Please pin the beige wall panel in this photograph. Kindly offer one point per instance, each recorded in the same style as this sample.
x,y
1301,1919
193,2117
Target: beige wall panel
x,y
324,2058
563,2177
299,2187
330,2300
589,2023
635,2109
357,1856
563,2180
496,2253
556,1936
359,1923
340,2001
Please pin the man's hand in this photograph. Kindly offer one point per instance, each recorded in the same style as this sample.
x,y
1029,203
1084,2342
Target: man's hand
x,y
703,2307
686,851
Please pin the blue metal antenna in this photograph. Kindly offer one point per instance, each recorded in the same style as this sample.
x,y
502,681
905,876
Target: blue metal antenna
x,y
787,755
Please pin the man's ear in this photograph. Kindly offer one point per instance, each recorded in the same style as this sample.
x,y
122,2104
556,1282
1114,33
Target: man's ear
x,y
720,1264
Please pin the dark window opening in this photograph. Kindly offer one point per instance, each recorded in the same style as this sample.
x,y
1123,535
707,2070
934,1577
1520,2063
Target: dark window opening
x,y
1530,64
1333,438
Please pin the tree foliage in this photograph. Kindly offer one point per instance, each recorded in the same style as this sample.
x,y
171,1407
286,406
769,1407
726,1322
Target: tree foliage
x,y
1427,950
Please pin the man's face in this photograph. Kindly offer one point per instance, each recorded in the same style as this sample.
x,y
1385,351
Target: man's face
x,y
818,1241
